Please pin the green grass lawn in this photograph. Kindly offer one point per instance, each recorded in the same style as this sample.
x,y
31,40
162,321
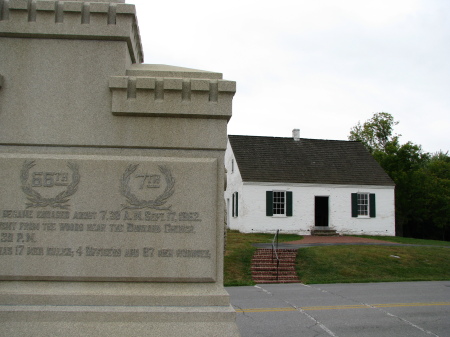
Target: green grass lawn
x,y
344,264
353,264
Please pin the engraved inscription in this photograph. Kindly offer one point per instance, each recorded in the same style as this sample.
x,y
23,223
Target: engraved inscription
x,y
149,180
17,214
193,253
58,251
48,180
133,201
108,252
132,252
148,220
26,232
147,252
168,228
6,250
165,253
143,228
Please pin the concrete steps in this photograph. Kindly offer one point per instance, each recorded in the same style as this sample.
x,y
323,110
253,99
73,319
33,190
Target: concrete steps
x,y
323,231
264,266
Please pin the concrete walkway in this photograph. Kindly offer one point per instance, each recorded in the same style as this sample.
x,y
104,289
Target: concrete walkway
x,y
309,241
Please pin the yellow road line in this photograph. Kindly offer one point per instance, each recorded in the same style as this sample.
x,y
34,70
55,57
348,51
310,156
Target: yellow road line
x,y
410,304
338,307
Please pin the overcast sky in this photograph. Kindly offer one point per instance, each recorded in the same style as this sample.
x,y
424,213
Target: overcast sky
x,y
317,65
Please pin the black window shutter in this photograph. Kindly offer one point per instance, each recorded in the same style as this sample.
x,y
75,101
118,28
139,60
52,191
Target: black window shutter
x,y
237,205
232,205
289,203
354,205
372,207
269,203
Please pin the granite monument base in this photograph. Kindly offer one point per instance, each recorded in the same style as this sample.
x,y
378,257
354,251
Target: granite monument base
x,y
115,309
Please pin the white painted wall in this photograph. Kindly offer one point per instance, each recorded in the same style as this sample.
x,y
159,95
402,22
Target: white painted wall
x,y
234,184
252,206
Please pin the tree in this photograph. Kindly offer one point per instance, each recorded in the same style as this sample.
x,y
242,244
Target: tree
x,y
437,186
422,196
376,133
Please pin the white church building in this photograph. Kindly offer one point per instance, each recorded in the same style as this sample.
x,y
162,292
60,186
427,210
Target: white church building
x,y
300,185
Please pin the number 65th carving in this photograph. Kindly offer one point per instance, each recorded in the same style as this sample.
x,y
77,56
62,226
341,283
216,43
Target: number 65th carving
x,y
134,202
37,200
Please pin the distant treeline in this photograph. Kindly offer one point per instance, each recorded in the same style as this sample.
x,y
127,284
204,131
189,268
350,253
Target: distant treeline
x,y
422,192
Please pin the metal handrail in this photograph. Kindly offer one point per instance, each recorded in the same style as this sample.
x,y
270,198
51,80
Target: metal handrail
x,y
274,250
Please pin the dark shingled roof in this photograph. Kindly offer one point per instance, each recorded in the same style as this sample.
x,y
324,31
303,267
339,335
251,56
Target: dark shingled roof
x,y
284,160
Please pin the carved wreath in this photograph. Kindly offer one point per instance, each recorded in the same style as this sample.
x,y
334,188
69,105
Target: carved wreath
x,y
37,200
134,202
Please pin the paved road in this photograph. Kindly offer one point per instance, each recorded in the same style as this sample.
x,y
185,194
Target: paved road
x,y
367,309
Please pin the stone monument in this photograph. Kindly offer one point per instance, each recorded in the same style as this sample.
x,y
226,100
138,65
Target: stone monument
x,y
112,179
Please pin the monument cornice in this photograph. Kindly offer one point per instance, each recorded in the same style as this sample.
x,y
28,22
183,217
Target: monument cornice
x,y
154,91
72,20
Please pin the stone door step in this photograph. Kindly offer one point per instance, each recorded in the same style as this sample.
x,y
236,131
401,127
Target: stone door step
x,y
324,232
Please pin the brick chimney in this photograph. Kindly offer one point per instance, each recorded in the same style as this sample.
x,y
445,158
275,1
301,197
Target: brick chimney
x,y
296,134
